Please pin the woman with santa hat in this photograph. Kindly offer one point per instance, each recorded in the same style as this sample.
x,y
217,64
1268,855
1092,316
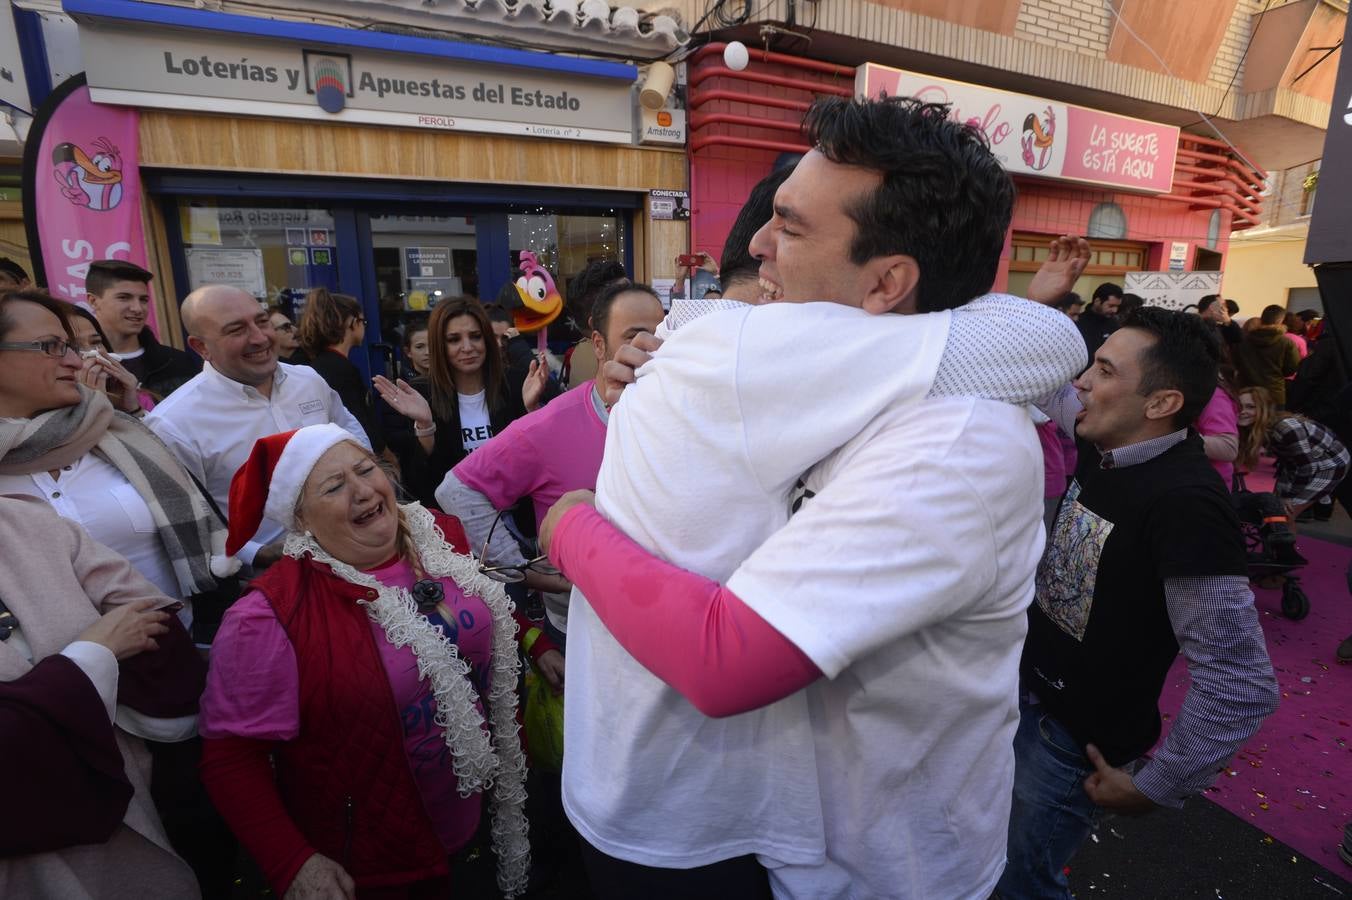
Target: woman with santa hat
x,y
376,667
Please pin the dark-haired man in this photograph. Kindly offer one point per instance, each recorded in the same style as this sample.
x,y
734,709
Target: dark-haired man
x,y
583,290
815,514
119,294
1217,311
1266,357
1100,319
1145,558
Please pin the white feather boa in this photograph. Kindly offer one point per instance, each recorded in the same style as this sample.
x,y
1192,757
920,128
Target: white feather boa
x,y
481,759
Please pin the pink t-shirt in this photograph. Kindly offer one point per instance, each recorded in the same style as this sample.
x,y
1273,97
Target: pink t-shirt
x,y
1220,416
544,455
253,690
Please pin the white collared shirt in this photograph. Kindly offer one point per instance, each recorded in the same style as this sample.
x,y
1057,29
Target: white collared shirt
x,y
212,422
94,494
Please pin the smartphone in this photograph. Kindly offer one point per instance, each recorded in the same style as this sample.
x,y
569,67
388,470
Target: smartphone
x,y
690,259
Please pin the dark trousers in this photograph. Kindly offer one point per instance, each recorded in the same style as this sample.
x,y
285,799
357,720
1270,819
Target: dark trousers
x,y
194,828
616,879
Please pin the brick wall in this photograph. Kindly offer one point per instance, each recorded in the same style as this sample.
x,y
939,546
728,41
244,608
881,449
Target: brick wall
x,y
1079,25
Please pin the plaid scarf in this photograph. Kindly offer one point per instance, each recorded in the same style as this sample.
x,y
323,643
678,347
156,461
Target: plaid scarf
x,y
192,535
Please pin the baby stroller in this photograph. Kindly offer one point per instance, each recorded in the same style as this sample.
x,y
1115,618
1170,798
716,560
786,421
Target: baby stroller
x,y
1271,546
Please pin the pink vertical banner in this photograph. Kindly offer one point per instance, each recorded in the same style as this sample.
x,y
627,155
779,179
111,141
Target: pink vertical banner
x,y
82,189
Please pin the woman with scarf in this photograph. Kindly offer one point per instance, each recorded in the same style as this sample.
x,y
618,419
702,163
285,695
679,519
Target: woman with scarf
x,y
362,696
64,443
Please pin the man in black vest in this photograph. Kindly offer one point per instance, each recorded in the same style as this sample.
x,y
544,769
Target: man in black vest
x,y
1100,319
1146,557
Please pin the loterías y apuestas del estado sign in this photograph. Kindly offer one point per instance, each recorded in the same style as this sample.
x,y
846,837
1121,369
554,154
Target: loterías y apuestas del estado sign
x,y
237,74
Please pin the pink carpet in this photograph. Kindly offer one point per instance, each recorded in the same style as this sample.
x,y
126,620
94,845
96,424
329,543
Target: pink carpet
x,y
1294,778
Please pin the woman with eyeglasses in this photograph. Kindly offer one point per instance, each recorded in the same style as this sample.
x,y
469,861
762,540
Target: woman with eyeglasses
x,y
331,327
362,696
64,443
284,336
74,458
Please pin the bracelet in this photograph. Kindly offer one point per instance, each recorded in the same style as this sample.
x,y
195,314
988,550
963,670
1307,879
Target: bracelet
x,y
424,432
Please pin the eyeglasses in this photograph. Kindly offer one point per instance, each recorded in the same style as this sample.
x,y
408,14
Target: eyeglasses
x,y
289,326
53,347
511,574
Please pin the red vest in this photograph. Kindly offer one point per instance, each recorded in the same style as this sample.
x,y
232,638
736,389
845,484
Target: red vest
x,y
345,779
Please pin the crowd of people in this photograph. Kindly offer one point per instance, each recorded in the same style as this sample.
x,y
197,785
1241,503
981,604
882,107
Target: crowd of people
x,y
850,578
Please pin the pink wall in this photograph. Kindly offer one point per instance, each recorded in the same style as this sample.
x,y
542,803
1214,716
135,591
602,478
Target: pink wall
x,y
721,178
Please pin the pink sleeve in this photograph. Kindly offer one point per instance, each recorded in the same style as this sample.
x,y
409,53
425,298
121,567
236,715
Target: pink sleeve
x,y
253,689
509,471
691,632
1218,416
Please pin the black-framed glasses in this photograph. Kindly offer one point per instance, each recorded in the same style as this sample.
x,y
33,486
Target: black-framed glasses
x,y
53,347
515,573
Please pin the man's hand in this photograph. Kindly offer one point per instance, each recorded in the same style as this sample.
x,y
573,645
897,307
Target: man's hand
x,y
618,372
550,666
320,878
556,512
1112,789
1066,263
550,584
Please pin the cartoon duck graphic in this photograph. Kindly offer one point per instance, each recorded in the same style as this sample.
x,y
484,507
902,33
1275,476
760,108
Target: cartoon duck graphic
x,y
1037,139
91,181
541,303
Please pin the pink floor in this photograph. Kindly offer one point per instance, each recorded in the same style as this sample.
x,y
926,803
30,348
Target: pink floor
x,y
1294,778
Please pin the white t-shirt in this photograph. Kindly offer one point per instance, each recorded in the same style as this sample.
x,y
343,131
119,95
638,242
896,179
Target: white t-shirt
x,y
905,576
647,777
475,426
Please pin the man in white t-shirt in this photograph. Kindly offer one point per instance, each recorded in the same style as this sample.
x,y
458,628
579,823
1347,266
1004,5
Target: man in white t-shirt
x,y
701,733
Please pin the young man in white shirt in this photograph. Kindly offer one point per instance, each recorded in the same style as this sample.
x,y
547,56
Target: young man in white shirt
x,y
903,575
242,394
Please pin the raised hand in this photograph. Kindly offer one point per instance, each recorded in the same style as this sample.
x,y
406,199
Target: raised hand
x,y
103,373
534,386
403,399
1066,263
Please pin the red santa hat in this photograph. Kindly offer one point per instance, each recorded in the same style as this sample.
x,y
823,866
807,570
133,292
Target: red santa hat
x,y
269,483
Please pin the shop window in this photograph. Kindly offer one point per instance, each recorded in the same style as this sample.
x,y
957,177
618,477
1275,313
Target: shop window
x,y
1108,221
276,254
422,260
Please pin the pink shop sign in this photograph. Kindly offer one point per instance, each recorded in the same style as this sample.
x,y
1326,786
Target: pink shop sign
x,y
1039,137
85,194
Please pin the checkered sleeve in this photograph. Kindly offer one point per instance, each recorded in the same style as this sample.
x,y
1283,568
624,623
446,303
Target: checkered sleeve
x,y
1233,687
1310,460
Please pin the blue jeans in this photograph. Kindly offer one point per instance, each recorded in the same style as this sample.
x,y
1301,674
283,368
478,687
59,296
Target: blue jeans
x,y
1051,814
